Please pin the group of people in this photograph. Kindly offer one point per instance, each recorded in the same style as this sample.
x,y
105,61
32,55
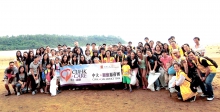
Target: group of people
x,y
36,70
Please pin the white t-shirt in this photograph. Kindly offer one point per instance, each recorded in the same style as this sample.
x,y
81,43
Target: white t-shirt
x,y
200,49
56,67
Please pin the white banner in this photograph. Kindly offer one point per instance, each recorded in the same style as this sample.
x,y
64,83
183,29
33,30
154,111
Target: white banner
x,y
90,74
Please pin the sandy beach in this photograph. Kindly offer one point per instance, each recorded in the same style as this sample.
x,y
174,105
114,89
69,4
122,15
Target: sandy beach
x,y
107,100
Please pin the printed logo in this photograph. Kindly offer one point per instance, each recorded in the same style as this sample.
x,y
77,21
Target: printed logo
x,y
66,74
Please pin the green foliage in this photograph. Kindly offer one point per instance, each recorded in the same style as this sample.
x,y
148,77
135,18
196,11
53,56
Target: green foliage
x,y
23,42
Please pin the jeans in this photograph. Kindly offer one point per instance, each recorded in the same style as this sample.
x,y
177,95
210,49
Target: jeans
x,y
208,84
157,83
18,86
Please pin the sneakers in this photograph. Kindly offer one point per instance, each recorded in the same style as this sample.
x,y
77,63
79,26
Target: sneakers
x,y
193,99
152,89
144,87
125,88
18,94
74,89
33,93
113,89
179,98
203,95
41,91
158,89
210,98
130,90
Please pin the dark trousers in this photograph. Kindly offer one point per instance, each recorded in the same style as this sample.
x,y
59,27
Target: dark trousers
x,y
33,83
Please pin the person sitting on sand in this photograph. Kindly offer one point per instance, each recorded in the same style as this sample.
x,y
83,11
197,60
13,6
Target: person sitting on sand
x,y
12,70
21,77
183,81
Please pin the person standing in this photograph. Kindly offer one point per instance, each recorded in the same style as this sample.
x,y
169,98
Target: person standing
x,y
34,69
198,47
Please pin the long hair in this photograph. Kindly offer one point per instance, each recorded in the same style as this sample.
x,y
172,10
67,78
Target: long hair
x,y
20,69
145,50
38,53
29,55
84,61
19,58
74,55
47,60
62,61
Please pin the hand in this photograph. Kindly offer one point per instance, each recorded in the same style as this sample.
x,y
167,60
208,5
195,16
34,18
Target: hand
x,y
203,79
22,86
35,78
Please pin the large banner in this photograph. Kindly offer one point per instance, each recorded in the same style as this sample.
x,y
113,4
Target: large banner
x,y
90,74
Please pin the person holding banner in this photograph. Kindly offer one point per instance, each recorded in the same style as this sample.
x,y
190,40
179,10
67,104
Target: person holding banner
x,y
108,58
64,61
102,54
126,71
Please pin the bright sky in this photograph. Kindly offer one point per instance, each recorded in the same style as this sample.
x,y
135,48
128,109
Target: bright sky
x,y
130,19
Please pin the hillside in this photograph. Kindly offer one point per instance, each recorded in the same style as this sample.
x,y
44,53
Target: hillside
x,y
22,42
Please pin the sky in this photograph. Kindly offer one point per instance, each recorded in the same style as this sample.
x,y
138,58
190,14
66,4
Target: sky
x,y
132,20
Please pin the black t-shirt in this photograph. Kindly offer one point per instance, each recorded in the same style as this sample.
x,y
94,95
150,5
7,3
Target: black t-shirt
x,y
204,63
119,58
28,62
135,62
152,60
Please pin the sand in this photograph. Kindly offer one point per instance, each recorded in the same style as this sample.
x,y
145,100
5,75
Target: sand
x,y
107,100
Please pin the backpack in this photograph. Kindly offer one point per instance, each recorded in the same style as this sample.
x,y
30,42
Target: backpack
x,y
209,59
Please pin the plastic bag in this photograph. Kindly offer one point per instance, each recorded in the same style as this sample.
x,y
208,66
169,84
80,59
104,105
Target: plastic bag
x,y
133,78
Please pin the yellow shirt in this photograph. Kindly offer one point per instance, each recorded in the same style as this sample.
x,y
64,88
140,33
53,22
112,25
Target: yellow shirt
x,y
202,68
185,90
179,49
126,69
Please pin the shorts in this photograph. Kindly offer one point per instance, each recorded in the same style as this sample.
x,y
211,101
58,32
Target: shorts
x,y
13,82
47,82
126,80
171,71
